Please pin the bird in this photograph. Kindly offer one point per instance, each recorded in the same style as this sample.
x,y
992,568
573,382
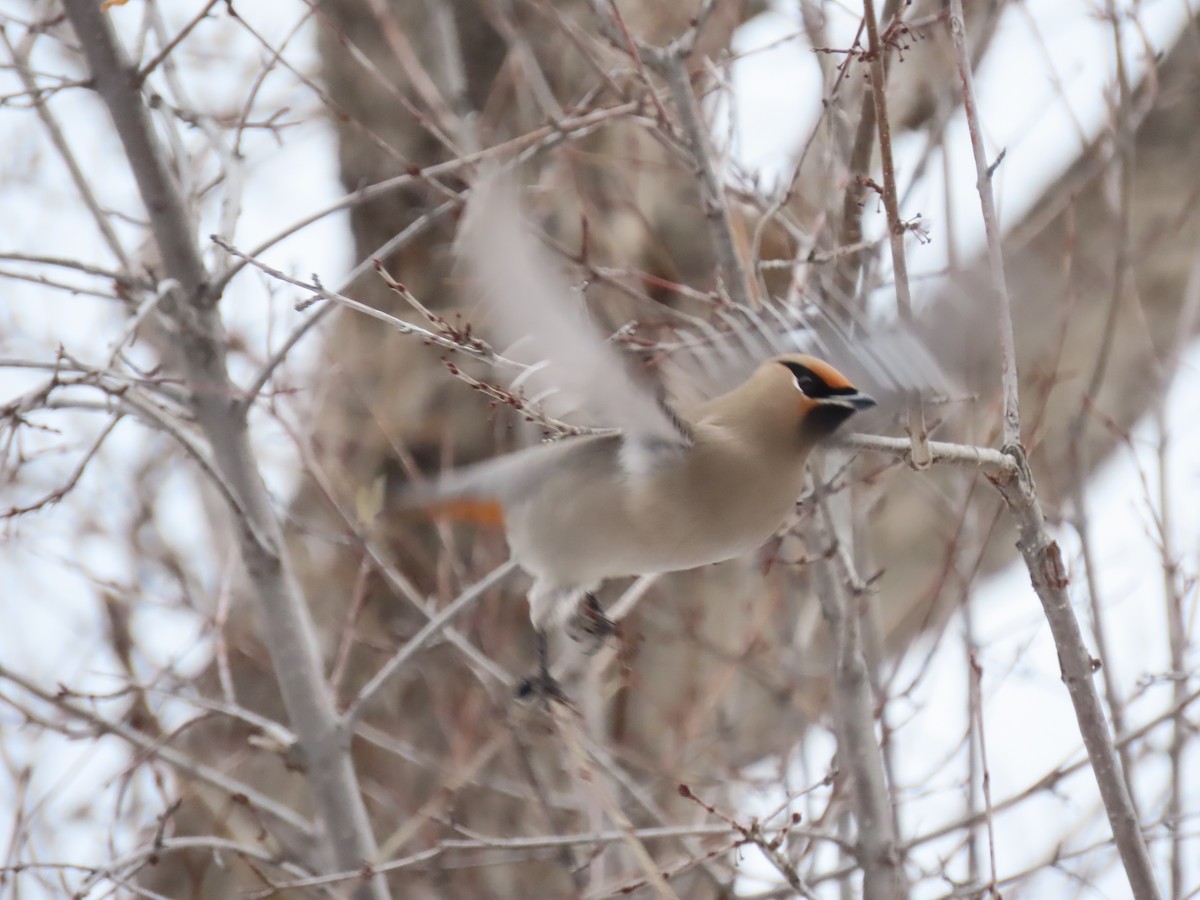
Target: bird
x,y
701,472
585,509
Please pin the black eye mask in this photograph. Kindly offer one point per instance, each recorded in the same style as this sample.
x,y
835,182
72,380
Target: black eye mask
x,y
813,385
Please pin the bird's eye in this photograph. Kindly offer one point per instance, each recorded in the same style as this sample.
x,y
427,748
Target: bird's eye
x,y
806,385
808,382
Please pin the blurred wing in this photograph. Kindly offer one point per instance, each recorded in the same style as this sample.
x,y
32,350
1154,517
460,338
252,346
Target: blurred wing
x,y
541,317
509,478
887,361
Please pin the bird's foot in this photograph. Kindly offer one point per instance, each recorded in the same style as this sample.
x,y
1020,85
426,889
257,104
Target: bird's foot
x,y
589,626
541,684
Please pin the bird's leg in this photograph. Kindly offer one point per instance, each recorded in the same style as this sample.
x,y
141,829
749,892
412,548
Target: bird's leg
x,y
541,683
589,625
543,655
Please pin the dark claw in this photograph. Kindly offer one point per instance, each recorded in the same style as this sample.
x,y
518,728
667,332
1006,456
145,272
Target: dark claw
x,y
590,626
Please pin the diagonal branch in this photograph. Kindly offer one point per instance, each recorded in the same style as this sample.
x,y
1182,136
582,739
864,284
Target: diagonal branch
x,y
289,629
712,192
430,630
1041,553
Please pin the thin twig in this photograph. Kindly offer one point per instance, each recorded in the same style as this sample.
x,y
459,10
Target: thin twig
x,y
1177,620
539,842
976,725
398,241
538,140
755,834
569,730
169,47
1079,450
473,347
20,58
430,629
295,826
72,480
897,229
991,224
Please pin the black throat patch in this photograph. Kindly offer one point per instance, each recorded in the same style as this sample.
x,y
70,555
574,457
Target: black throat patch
x,y
824,419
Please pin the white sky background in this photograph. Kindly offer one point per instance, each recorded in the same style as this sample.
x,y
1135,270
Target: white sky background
x,y
53,629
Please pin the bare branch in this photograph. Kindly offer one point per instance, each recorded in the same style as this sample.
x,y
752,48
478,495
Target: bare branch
x,y
991,224
840,593
294,826
289,628
1042,555
20,58
431,628
712,190
897,229
990,462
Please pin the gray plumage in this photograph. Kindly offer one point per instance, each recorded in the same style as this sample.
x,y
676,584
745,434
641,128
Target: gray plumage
x,y
704,475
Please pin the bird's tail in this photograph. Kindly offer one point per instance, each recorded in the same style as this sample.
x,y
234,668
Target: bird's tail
x,y
449,498
474,493
488,513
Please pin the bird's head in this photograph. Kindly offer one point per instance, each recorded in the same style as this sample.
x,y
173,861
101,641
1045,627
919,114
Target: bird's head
x,y
812,393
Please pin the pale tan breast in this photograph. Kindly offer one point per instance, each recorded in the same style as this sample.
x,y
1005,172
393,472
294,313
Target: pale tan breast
x,y
721,500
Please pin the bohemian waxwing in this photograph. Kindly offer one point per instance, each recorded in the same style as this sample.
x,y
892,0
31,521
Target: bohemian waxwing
x,y
674,485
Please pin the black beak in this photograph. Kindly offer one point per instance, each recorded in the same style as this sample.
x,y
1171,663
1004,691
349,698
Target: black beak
x,y
830,412
857,402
